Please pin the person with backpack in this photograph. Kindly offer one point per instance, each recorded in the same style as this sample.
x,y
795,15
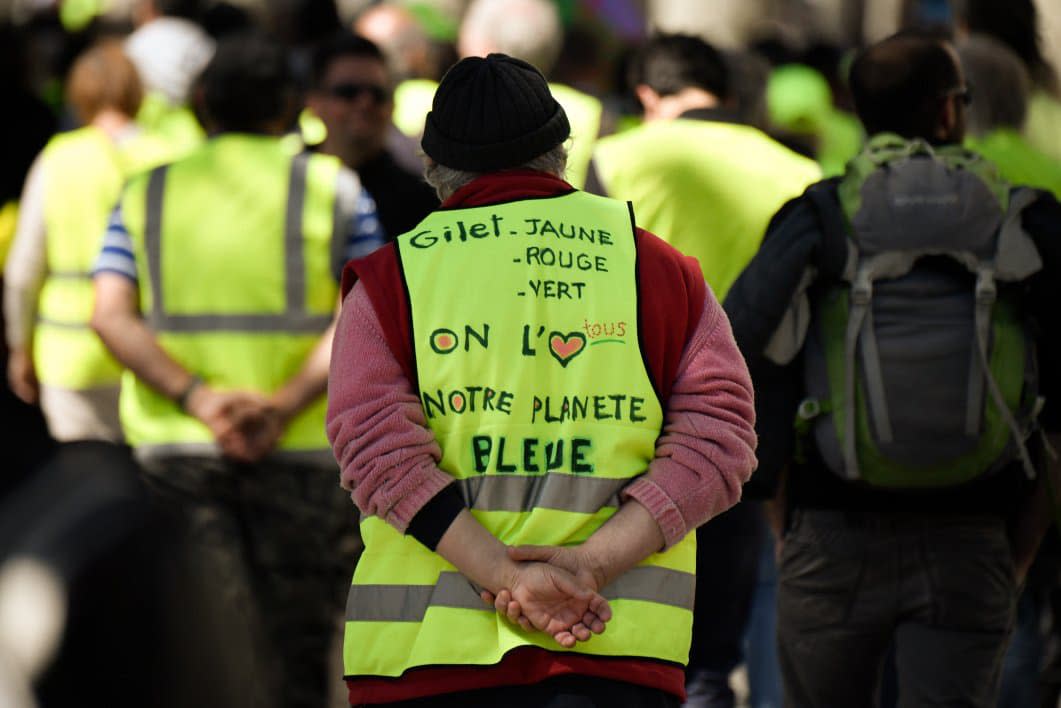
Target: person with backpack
x,y
894,321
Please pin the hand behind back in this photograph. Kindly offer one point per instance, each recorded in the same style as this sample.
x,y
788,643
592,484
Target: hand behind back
x,y
552,592
244,423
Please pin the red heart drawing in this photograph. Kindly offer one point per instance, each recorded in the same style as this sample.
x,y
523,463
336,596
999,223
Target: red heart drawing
x,y
565,347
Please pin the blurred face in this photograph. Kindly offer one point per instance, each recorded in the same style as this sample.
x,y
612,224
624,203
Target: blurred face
x,y
953,118
355,102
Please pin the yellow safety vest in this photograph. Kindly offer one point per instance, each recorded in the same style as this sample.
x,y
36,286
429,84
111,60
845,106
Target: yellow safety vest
x,y
584,114
8,223
412,103
83,175
525,328
311,129
1040,127
707,188
234,249
176,124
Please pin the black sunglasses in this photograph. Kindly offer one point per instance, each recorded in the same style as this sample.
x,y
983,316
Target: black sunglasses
x,y
351,91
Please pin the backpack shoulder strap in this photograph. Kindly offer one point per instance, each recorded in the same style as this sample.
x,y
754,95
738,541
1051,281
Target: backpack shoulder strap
x,y
840,258
829,249
836,256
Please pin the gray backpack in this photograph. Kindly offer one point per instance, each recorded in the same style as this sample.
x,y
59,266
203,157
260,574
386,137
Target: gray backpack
x,y
917,373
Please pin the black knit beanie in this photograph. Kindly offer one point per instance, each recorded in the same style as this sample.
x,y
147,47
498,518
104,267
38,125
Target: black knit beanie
x,y
491,114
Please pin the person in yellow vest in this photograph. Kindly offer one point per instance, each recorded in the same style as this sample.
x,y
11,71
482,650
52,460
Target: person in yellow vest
x,y
216,288
533,403
531,30
707,184
801,106
55,357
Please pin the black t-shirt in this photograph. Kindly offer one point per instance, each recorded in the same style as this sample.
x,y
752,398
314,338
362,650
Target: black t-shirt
x,y
402,198
812,486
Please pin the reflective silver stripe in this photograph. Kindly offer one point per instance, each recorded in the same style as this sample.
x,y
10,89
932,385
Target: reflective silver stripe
x,y
63,325
660,585
295,266
70,274
323,458
568,492
389,603
409,603
156,187
292,323
293,320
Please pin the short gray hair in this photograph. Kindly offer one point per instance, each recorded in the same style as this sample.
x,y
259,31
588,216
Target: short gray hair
x,y
1000,85
447,180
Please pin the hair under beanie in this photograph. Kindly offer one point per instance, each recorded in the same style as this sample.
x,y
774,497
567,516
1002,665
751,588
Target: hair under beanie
x,y
492,113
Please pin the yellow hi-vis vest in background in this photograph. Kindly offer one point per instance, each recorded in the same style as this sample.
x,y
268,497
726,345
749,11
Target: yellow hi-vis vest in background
x,y
83,176
708,188
412,103
176,124
530,373
233,248
584,114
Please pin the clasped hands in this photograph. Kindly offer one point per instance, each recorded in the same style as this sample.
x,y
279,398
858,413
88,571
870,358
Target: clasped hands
x,y
246,425
555,590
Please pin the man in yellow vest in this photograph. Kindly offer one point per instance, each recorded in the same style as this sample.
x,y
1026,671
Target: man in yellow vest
x,y
704,181
533,403
216,287
709,185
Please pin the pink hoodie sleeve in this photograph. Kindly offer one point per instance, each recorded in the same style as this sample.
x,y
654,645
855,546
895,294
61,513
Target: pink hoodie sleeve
x,y
389,458
707,450
387,455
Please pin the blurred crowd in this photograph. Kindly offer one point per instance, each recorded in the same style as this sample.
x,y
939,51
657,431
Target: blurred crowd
x,y
107,596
